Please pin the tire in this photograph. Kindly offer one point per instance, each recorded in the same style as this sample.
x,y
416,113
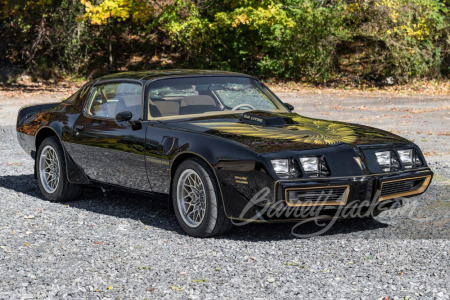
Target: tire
x,y
54,187
195,172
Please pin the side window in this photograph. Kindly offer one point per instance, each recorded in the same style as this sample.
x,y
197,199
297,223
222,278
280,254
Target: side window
x,y
108,100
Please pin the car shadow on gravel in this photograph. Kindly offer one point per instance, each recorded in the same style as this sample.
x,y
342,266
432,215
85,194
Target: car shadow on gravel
x,y
153,210
280,231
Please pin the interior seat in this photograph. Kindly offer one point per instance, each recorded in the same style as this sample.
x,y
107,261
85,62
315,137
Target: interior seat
x,y
164,108
198,104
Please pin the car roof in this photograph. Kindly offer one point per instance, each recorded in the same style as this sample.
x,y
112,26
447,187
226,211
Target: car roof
x,y
154,74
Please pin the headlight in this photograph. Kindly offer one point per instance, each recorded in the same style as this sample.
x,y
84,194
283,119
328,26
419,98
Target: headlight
x,y
310,164
387,161
284,167
280,166
410,158
314,166
406,156
384,158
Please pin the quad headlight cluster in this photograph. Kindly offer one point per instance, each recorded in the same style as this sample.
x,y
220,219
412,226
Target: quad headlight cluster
x,y
390,160
316,166
313,166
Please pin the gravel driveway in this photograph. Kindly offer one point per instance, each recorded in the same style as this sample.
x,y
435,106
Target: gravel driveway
x,y
121,246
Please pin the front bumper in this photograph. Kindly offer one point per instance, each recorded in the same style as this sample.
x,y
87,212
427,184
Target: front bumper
x,y
379,187
327,196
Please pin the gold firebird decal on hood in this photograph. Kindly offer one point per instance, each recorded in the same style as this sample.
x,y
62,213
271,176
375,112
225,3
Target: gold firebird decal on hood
x,y
305,130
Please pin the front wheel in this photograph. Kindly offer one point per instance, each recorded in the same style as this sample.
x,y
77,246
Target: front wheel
x,y
197,201
51,172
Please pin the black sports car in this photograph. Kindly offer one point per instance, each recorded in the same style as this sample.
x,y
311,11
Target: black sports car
x,y
221,144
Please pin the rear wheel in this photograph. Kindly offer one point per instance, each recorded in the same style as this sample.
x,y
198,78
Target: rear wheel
x,y
197,201
51,172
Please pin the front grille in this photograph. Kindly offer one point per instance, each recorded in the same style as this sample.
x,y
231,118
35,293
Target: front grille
x,y
317,196
401,186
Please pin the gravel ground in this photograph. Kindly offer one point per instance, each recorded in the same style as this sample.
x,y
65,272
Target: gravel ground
x,y
118,245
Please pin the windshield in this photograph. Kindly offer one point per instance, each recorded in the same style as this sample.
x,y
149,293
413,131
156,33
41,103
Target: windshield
x,y
200,95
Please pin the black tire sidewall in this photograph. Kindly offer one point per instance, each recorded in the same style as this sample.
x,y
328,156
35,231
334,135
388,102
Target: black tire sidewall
x,y
58,193
212,196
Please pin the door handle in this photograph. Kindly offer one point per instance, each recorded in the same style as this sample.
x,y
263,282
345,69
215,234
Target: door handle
x,y
79,127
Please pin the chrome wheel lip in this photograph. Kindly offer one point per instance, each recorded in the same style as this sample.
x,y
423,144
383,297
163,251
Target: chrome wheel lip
x,y
49,169
191,198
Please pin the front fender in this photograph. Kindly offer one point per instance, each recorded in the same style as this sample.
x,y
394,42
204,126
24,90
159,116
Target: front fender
x,y
229,160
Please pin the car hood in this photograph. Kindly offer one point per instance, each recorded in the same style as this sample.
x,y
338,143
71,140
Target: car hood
x,y
266,132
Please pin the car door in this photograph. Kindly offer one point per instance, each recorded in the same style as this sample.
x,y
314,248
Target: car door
x,y
109,151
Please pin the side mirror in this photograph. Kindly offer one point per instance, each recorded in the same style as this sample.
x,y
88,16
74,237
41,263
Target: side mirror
x,y
124,116
289,106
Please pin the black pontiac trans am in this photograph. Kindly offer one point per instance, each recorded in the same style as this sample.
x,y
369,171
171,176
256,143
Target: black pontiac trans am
x,y
221,144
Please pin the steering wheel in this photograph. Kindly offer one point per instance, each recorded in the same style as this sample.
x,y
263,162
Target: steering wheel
x,y
243,105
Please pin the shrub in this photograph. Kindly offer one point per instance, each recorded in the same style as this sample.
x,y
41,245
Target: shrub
x,y
315,40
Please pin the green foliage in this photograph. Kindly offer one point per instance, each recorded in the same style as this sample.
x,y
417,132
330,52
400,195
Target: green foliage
x,y
412,34
300,38
44,37
287,40
313,40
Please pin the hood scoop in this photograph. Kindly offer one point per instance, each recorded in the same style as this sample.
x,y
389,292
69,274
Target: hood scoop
x,y
263,118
